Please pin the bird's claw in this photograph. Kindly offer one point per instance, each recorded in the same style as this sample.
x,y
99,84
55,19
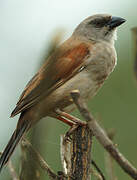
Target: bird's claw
x,y
71,130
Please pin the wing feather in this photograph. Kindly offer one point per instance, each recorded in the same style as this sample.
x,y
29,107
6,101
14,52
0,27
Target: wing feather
x,y
60,67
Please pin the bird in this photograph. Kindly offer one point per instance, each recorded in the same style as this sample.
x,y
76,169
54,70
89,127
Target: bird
x,y
83,62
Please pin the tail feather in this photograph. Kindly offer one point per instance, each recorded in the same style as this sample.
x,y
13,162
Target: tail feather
x,y
14,140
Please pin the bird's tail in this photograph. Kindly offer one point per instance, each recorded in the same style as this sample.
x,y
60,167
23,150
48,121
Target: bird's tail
x,y
14,140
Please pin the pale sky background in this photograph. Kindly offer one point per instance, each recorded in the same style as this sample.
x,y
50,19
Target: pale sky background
x,y
26,27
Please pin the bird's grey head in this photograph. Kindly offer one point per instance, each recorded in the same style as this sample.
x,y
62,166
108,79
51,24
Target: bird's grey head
x,y
99,27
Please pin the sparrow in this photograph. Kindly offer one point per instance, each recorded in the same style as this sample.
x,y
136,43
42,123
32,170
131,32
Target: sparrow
x,y
83,62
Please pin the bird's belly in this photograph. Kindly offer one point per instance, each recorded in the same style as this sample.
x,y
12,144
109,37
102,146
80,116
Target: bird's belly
x,y
60,98
82,82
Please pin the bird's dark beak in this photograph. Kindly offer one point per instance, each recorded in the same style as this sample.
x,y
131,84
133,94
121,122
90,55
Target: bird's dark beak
x,y
115,22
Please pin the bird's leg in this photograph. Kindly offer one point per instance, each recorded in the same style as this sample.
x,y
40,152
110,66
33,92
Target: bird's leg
x,y
66,121
71,121
72,125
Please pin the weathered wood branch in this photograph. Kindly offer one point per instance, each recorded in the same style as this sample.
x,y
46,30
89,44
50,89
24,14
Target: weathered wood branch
x,y
102,137
76,154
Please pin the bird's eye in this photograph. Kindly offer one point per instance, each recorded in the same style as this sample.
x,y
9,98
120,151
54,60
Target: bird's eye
x,y
99,22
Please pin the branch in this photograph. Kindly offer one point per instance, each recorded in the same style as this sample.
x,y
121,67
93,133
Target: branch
x,y
102,136
38,159
76,154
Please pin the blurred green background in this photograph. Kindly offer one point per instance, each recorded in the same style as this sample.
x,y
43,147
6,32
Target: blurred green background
x,y
26,30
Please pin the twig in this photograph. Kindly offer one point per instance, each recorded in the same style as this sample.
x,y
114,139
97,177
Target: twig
x,y
98,170
102,136
109,161
12,171
65,154
134,35
37,157
96,174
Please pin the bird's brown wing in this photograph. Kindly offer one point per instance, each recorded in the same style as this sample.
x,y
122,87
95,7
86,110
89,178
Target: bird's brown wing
x,y
60,67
